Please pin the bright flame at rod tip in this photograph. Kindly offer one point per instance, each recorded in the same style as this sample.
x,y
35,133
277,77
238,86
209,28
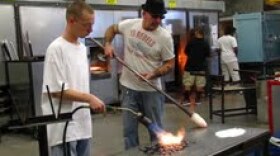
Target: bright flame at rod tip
x,y
166,138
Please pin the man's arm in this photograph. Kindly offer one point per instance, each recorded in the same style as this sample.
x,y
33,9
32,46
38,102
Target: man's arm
x,y
109,36
73,95
162,70
165,68
110,33
234,46
235,49
207,50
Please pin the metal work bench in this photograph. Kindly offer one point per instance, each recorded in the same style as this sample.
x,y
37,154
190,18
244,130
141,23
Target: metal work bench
x,y
222,89
204,142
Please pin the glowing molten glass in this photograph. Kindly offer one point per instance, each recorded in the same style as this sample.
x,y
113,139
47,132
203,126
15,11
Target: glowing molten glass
x,y
182,57
166,138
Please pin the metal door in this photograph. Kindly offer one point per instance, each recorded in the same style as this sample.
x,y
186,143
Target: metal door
x,y
43,25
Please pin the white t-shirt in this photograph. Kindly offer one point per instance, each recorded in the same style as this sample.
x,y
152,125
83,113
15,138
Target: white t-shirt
x,y
66,63
144,51
227,43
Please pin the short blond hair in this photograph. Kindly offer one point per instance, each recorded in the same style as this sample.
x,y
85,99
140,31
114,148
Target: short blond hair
x,y
76,8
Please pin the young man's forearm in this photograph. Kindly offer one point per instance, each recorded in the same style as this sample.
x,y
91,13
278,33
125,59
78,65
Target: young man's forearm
x,y
74,95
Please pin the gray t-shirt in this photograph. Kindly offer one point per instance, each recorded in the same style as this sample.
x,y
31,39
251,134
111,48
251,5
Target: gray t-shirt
x,y
144,51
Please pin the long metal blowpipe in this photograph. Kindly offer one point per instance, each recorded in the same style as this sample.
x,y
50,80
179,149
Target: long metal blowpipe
x,y
196,118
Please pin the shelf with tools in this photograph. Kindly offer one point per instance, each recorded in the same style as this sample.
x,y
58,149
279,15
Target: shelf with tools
x,y
222,89
24,79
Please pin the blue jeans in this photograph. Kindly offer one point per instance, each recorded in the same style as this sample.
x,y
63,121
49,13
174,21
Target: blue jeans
x,y
150,103
76,148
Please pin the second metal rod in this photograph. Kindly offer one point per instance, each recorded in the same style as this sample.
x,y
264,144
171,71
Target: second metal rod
x,y
147,81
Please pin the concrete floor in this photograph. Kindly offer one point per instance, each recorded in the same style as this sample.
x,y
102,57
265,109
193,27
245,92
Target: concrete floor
x,y
107,130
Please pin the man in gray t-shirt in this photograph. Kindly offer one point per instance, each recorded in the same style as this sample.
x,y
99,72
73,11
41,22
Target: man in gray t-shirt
x,y
148,49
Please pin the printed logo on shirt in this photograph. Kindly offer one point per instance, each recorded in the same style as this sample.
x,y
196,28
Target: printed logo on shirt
x,y
138,49
142,36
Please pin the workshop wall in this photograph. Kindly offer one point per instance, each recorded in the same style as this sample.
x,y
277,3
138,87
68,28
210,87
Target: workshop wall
x,y
242,6
7,32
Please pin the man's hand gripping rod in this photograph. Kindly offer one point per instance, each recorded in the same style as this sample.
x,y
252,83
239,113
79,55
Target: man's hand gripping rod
x,y
196,118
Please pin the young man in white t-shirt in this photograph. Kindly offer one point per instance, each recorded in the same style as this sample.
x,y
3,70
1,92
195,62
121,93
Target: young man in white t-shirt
x,y
66,63
228,50
148,49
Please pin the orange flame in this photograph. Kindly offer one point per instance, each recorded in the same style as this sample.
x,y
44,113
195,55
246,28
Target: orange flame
x,y
182,57
166,138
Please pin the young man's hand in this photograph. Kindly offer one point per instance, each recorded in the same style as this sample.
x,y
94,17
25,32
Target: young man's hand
x,y
96,104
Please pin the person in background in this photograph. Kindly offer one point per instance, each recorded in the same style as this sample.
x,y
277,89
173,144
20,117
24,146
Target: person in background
x,y
66,64
194,77
149,50
228,52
